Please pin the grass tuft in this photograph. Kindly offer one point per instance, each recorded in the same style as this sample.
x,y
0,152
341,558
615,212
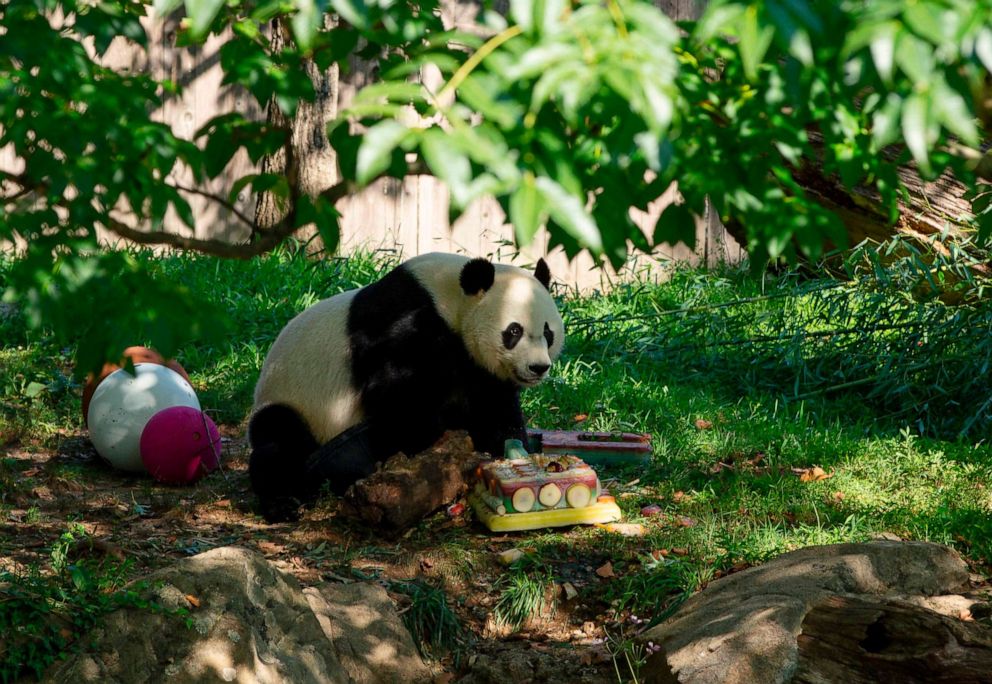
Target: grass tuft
x,y
522,597
435,627
44,615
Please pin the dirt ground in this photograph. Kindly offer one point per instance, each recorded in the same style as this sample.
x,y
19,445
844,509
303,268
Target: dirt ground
x,y
152,525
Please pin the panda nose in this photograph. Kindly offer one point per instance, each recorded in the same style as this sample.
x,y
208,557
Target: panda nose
x,y
539,368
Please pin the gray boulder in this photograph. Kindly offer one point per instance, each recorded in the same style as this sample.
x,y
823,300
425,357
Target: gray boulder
x,y
743,628
251,623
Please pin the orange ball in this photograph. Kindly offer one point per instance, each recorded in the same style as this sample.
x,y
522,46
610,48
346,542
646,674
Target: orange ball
x,y
137,355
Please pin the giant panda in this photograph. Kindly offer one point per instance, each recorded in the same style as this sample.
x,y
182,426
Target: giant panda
x,y
440,342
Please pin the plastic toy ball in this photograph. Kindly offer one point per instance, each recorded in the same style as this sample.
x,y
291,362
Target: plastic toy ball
x,y
123,404
180,445
137,355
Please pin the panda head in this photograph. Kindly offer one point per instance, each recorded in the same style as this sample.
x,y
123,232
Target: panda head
x,y
511,327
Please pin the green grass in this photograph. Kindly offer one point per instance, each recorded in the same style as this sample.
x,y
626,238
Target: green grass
x,y
522,597
44,616
260,296
435,627
887,394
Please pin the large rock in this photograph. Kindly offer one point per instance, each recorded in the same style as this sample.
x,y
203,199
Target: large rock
x,y
371,642
744,628
252,623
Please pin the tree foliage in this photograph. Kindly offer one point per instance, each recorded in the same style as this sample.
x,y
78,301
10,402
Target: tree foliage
x,y
569,113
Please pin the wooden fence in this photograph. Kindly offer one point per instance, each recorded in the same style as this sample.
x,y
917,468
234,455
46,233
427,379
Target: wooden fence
x,y
406,217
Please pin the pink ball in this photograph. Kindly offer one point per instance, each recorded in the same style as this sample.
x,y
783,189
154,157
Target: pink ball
x,y
179,445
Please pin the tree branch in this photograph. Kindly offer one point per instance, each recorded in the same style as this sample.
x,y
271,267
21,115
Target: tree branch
x,y
264,240
222,201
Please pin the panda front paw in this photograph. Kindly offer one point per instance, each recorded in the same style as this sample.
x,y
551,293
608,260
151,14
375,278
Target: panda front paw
x,y
280,509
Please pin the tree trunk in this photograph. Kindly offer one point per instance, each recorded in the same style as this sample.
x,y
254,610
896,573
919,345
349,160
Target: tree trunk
x,y
307,160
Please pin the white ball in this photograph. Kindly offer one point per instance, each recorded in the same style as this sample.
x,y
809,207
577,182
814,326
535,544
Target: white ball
x,y
123,404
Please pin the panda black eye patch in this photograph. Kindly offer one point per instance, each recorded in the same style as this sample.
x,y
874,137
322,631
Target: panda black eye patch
x,y
549,335
512,335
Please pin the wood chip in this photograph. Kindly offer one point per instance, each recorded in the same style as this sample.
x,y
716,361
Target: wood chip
x,y
510,556
814,474
626,529
606,570
193,601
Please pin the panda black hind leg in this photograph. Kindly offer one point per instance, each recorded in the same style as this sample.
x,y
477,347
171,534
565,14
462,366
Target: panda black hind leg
x,y
281,443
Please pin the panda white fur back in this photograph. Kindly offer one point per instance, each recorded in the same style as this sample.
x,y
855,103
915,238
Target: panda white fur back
x,y
308,369
440,342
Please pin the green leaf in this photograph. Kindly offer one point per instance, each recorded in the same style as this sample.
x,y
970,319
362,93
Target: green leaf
x,y
324,216
239,185
755,40
448,163
33,390
983,47
522,13
676,224
164,8
885,122
935,24
526,211
201,15
568,212
717,18
80,578
539,59
184,211
376,149
791,34
955,114
345,146
915,113
307,21
390,91
777,239
915,58
355,12
984,228
548,14
883,47
478,90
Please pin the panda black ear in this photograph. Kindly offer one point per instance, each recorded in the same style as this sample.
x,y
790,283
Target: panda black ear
x,y
477,276
543,274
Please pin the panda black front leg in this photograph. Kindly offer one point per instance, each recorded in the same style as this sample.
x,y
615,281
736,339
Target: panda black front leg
x,y
281,443
496,417
347,458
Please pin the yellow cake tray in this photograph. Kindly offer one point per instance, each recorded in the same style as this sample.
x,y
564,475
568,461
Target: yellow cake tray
x,y
605,510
